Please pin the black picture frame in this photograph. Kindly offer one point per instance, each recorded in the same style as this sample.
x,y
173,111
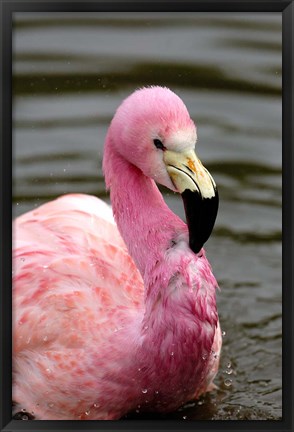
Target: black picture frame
x,y
7,9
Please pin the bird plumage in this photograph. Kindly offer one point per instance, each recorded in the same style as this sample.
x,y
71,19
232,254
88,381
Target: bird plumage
x,y
109,316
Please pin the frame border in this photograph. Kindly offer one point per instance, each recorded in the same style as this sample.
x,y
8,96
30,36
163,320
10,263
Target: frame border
x,y
6,10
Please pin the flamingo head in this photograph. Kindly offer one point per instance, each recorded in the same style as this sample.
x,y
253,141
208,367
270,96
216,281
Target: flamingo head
x,y
153,131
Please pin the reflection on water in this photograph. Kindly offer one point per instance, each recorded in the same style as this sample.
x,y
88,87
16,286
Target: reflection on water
x,y
70,74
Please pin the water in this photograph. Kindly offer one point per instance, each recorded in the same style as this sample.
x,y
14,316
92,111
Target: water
x,y
70,73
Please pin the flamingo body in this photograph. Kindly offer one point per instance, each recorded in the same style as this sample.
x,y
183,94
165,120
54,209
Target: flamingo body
x,y
102,324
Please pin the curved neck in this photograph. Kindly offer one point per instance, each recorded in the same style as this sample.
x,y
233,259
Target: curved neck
x,y
145,222
177,324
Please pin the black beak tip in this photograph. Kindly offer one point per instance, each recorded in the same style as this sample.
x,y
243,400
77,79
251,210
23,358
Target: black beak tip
x,y
201,215
195,246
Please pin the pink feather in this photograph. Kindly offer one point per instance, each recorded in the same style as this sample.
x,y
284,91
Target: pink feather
x,y
110,317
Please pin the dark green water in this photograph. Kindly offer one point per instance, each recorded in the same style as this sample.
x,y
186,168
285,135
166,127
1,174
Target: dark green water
x,y
71,71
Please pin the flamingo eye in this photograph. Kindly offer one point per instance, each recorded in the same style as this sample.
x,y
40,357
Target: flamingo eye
x,y
158,144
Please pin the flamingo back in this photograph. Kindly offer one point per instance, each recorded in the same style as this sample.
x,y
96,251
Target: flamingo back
x,y
71,271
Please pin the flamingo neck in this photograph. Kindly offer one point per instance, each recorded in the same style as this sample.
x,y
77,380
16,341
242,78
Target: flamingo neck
x,y
144,220
179,323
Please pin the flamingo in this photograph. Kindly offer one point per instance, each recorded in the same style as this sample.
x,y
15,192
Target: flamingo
x,y
114,309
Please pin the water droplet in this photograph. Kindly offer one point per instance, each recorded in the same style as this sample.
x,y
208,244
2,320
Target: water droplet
x,y
24,417
229,371
50,404
45,338
200,402
20,322
214,354
144,390
223,333
184,417
45,266
17,204
172,353
137,411
48,370
229,365
87,412
23,410
204,356
96,405
156,391
228,382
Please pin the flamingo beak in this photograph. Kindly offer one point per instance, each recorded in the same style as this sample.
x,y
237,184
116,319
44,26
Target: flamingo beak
x,y
199,193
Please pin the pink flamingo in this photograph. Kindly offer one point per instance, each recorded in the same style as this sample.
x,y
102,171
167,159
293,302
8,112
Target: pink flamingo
x,y
108,319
